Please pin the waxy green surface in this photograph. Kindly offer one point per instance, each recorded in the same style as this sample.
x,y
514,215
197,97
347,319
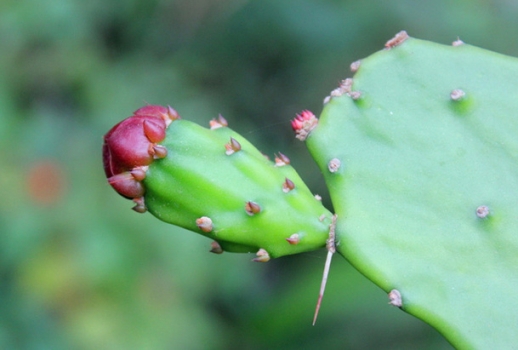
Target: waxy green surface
x,y
198,178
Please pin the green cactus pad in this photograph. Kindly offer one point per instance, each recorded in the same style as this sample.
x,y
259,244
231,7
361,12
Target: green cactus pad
x,y
240,191
426,183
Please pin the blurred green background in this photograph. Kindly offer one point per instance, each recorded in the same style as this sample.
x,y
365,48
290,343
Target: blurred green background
x,y
80,270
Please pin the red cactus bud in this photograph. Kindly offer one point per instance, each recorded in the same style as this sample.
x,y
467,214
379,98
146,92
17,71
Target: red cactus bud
x,y
126,145
131,145
303,124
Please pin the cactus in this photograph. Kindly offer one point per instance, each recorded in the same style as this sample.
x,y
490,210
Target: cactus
x,y
419,152
213,182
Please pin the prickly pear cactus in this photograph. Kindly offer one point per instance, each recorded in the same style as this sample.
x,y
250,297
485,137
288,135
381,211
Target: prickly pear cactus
x,y
213,182
420,154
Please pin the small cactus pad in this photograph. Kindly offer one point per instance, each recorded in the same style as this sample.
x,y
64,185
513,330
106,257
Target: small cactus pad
x,y
213,182
426,190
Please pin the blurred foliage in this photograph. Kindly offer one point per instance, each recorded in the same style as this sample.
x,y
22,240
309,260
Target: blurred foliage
x,y
79,270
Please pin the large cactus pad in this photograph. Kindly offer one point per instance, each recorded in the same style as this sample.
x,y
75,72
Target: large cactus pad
x,y
420,154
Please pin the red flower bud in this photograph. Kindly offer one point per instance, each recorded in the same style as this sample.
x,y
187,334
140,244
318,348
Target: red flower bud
x,y
132,144
303,124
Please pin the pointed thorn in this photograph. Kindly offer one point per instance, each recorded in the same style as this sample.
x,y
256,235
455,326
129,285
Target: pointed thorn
x,y
331,249
216,248
157,151
288,186
294,239
171,116
281,160
218,123
232,147
252,208
139,207
262,256
204,223
154,130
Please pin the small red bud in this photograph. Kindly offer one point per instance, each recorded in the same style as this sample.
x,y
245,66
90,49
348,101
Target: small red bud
x,y
303,124
131,145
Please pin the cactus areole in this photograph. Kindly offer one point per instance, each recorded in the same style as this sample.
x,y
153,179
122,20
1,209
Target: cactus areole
x,y
214,182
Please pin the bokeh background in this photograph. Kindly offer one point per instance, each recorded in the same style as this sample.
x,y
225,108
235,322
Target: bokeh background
x,y
80,270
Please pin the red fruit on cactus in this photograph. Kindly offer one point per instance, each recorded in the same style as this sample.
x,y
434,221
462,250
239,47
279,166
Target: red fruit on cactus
x,y
131,145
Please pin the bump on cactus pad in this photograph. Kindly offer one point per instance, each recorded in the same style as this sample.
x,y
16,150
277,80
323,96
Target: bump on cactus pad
x,y
420,154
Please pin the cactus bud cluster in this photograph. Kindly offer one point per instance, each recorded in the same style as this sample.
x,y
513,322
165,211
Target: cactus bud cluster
x,y
131,145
